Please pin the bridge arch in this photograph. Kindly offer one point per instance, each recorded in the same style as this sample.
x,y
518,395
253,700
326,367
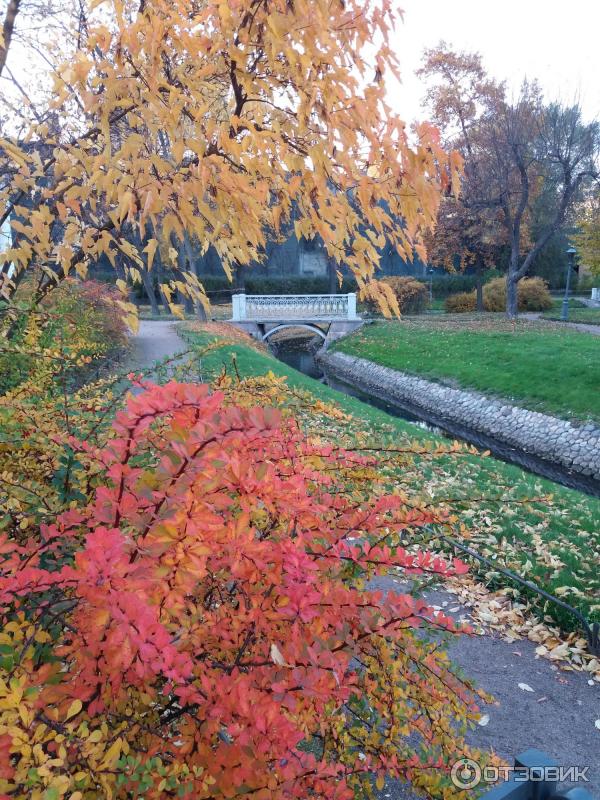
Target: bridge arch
x,y
306,326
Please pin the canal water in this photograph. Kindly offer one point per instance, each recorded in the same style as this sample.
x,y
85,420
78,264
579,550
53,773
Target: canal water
x,y
299,353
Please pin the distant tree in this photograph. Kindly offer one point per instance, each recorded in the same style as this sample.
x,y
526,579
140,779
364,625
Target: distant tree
x,y
465,238
587,239
520,156
548,151
468,232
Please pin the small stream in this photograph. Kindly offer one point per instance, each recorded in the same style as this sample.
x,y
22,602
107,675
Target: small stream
x,y
299,353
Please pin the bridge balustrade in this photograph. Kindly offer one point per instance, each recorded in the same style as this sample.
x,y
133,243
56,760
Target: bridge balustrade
x,y
285,308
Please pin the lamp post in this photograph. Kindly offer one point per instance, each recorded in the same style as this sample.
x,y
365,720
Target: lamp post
x,y
430,271
571,253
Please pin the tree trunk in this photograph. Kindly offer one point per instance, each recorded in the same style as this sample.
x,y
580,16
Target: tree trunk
x,y
239,279
512,308
158,271
332,275
479,285
192,266
150,293
512,279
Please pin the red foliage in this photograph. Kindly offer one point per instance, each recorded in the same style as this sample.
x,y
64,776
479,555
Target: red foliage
x,y
211,606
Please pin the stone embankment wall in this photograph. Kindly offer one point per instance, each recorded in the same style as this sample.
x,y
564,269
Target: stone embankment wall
x,y
575,447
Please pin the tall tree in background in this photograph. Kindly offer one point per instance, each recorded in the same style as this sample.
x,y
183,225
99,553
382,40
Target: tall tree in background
x,y
465,238
520,156
468,233
213,120
542,156
587,239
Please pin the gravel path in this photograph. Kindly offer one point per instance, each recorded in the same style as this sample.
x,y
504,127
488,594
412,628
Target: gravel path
x,y
155,340
558,716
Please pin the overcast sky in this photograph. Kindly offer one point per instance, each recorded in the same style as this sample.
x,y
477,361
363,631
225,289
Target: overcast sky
x,y
555,41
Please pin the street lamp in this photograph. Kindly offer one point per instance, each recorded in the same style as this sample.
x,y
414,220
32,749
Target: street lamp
x,y
571,253
430,271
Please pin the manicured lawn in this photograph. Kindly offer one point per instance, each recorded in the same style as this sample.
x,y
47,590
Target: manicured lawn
x,y
437,304
505,511
542,367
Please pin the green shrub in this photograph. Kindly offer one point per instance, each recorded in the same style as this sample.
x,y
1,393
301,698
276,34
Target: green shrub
x,y
586,282
295,284
81,315
457,282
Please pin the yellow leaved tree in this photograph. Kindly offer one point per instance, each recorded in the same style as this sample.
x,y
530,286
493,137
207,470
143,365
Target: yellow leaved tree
x,y
229,122
587,237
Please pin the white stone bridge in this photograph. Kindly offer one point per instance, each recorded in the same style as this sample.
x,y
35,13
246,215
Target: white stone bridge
x,y
327,315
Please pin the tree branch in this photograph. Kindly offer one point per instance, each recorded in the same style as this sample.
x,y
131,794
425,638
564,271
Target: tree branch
x,y
7,30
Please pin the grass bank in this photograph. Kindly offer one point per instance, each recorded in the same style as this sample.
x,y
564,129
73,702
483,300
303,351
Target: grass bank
x,y
504,512
542,367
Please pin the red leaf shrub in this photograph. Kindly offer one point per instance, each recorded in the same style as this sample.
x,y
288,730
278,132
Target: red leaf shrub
x,y
206,626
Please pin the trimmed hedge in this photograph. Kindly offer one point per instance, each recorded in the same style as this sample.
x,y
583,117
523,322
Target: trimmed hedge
x,y
219,289
411,294
532,295
452,282
461,303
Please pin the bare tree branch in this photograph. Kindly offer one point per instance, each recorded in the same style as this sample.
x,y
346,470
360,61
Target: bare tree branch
x,y
7,30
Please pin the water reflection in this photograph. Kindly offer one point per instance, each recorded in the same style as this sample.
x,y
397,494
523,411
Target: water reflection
x,y
299,354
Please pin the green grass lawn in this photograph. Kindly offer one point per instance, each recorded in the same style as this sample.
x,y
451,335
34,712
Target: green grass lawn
x,y
555,543
542,367
437,304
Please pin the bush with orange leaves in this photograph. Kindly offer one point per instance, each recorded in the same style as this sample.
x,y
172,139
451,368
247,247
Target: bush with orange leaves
x,y
205,626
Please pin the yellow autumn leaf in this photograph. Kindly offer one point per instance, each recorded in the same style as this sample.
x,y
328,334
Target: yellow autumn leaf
x,y
111,756
74,709
133,322
150,249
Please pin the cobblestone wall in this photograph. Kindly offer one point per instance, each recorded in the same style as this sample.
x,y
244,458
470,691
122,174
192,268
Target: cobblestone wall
x,y
574,446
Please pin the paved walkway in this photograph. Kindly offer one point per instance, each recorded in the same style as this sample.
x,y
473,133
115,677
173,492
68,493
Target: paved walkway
x,y
558,716
588,301
578,326
155,341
